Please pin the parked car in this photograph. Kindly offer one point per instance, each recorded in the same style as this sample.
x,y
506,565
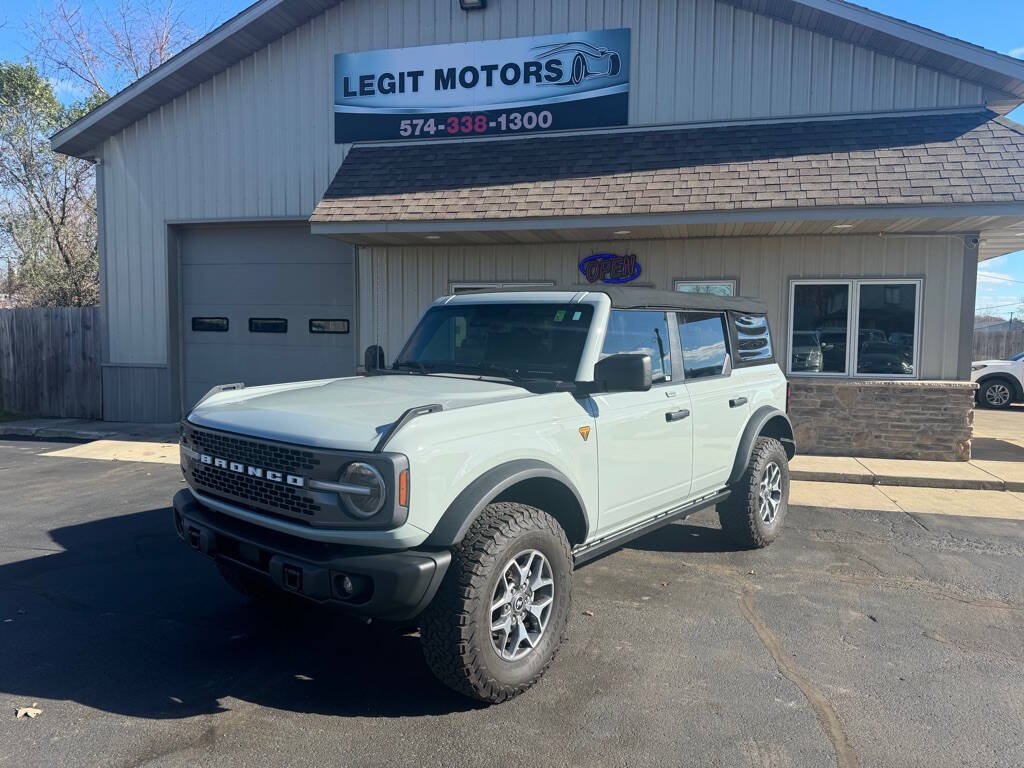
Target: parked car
x,y
1000,382
806,353
517,435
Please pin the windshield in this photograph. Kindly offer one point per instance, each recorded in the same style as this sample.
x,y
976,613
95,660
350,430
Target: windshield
x,y
515,341
1018,357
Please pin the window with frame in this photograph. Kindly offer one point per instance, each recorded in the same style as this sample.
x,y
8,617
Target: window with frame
x,y
638,330
855,327
711,287
702,338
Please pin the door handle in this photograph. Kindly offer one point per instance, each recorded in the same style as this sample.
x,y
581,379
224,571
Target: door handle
x,y
736,402
677,415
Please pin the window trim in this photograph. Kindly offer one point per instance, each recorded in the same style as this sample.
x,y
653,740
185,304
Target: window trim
x,y
690,281
727,366
853,285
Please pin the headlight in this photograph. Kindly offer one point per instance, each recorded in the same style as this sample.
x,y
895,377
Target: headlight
x,y
978,367
363,505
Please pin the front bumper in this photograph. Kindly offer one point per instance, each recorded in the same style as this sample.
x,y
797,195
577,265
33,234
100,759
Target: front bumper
x,y
394,585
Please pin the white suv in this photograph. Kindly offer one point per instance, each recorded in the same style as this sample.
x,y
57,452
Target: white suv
x,y
1000,382
516,435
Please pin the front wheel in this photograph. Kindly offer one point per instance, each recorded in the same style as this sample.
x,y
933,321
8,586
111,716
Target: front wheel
x,y
995,394
501,613
752,515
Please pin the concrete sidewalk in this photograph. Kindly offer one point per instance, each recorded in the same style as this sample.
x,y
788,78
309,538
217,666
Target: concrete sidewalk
x,y
82,430
976,475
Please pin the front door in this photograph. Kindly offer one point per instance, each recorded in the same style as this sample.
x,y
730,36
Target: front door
x,y
644,438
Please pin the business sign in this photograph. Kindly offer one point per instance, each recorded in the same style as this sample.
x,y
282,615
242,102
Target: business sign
x,y
610,268
490,87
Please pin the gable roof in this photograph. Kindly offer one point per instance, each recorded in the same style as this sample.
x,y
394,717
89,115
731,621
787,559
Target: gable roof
x,y
267,20
936,159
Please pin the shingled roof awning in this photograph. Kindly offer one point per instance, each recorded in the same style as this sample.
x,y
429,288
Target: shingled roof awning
x,y
942,171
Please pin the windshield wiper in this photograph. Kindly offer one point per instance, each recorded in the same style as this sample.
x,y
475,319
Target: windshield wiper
x,y
415,365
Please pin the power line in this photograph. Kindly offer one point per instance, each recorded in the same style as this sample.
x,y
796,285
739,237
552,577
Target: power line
x,y
999,306
999,277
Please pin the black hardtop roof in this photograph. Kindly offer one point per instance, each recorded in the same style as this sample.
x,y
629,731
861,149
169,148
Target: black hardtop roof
x,y
628,297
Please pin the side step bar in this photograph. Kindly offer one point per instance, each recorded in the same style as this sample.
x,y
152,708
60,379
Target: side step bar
x,y
597,548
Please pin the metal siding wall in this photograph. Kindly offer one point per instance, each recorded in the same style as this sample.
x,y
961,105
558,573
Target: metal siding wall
x,y
256,141
407,279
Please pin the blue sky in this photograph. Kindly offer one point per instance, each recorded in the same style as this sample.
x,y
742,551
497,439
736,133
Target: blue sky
x,y
994,24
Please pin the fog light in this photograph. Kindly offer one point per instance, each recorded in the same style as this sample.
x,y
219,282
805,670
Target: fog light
x,y
352,587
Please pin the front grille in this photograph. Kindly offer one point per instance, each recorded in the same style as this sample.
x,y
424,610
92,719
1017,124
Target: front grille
x,y
269,456
253,491
274,496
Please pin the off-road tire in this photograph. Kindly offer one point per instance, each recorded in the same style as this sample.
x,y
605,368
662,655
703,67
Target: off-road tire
x,y
740,513
983,397
455,629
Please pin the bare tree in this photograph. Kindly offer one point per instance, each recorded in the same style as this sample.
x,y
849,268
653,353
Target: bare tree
x,y
105,49
47,201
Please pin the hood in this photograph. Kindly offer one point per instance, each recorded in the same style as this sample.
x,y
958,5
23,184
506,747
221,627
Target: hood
x,y
344,414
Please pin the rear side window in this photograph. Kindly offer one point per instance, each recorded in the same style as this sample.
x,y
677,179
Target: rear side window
x,y
702,337
753,340
640,331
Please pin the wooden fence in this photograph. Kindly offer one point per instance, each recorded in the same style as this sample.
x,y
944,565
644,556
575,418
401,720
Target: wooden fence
x,y
50,362
998,343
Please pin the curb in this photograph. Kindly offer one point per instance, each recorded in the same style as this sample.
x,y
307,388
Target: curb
x,y
79,435
995,484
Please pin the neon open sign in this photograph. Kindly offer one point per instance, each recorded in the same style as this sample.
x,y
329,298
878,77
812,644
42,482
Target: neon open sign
x,y
610,268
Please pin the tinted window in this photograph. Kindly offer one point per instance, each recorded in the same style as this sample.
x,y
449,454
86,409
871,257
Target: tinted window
x,y
820,314
523,340
209,324
640,331
328,326
753,342
885,336
702,337
268,325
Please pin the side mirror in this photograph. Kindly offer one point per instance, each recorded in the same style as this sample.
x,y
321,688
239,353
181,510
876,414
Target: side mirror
x,y
373,358
624,372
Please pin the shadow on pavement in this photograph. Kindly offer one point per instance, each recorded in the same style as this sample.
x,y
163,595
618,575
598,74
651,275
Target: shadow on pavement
x,y
127,620
684,537
994,449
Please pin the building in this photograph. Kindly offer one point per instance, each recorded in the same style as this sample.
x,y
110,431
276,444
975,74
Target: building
x,y
301,182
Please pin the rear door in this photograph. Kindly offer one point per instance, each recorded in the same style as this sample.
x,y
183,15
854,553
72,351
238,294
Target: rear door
x,y
644,438
719,399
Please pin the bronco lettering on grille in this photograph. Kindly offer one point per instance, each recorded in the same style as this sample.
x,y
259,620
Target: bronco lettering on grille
x,y
244,469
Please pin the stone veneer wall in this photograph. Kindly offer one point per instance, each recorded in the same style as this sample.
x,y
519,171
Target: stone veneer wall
x,y
883,419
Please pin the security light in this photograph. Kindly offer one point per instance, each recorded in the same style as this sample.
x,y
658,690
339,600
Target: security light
x,y
472,5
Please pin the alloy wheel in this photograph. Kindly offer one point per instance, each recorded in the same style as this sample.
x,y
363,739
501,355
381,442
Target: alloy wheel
x,y
770,493
521,605
997,394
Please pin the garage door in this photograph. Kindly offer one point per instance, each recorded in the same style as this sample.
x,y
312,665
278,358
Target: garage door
x,y
264,305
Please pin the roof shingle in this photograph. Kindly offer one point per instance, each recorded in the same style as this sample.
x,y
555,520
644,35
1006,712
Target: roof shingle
x,y
916,160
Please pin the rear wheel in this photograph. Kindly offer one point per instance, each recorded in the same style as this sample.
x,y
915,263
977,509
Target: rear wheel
x,y
995,393
752,515
501,613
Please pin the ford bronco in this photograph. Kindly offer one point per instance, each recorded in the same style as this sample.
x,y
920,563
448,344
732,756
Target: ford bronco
x,y
516,435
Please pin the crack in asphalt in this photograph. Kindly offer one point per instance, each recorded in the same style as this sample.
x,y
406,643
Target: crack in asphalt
x,y
846,757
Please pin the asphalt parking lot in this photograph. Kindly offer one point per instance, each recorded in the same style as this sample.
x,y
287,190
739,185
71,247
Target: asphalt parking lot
x,y
859,638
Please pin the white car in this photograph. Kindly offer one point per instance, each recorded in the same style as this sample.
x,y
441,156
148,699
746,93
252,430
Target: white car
x,y
1000,382
517,435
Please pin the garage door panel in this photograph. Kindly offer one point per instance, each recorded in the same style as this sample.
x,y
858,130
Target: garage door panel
x,y
254,245
269,284
244,273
